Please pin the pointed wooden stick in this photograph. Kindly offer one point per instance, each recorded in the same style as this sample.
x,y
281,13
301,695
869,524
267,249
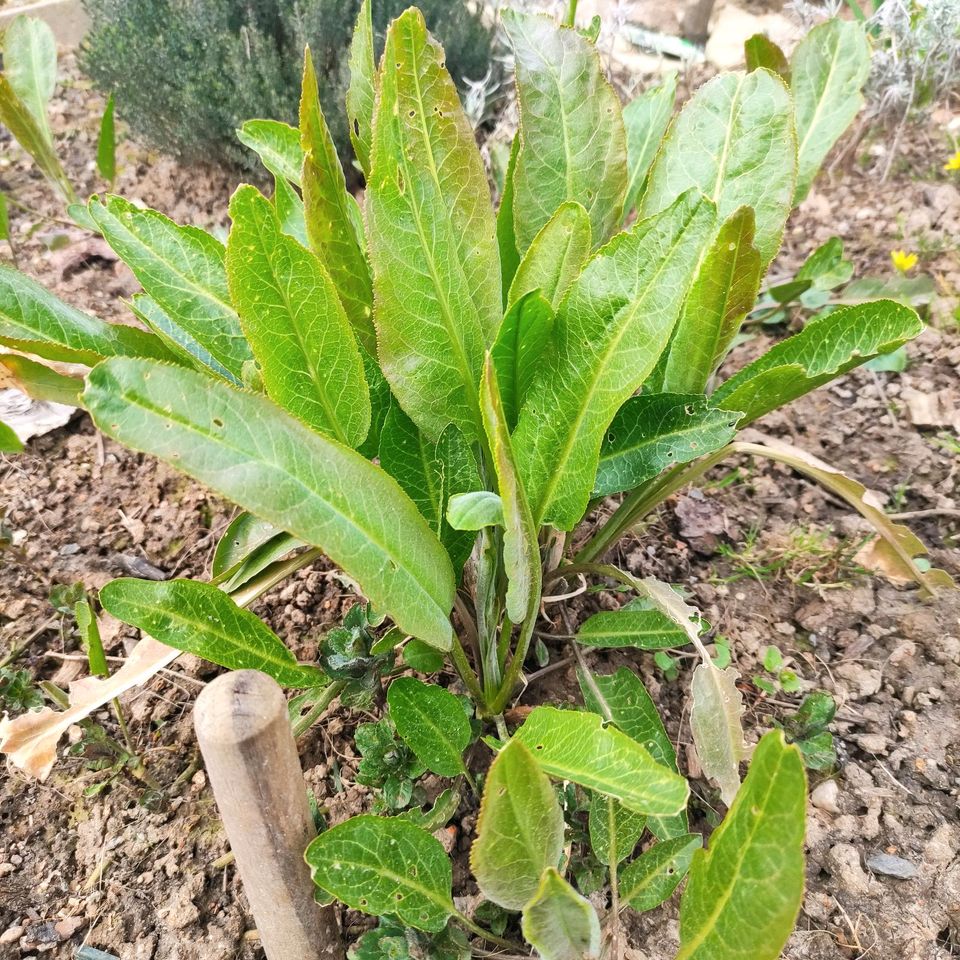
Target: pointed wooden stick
x,y
251,759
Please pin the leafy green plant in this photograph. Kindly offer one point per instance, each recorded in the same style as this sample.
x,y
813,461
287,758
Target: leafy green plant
x,y
508,371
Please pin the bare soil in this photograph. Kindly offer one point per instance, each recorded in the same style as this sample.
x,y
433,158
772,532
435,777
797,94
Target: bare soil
x,y
771,559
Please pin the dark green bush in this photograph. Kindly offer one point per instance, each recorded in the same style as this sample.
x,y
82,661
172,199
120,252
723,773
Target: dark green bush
x,y
187,73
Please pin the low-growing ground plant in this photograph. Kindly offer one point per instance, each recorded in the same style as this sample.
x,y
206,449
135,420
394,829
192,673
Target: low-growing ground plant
x,y
441,398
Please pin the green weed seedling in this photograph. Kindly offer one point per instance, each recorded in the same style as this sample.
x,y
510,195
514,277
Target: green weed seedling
x,y
435,394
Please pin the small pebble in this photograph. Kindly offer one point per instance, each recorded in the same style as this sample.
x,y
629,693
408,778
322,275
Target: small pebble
x,y
11,935
891,866
824,796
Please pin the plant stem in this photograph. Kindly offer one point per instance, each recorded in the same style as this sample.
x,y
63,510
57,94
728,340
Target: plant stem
x,y
515,669
478,931
571,18
467,673
318,709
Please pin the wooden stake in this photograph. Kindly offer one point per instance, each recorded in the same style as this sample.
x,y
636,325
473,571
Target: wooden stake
x,y
251,759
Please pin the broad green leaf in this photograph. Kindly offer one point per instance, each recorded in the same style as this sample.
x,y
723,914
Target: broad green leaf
x,y
9,441
385,865
17,118
716,726
610,330
362,92
329,212
760,51
573,745
475,510
519,348
722,295
294,323
506,234
418,656
559,923
277,145
655,874
641,629
430,473
520,829
200,618
521,546
645,119
828,346
555,257
431,236
33,320
614,830
107,144
626,703
30,65
572,141
735,141
744,892
659,430
181,344
38,381
251,452
432,723
825,268
828,69
182,269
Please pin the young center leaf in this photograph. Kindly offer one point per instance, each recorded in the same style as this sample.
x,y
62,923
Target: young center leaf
x,y
559,923
385,865
610,330
655,431
654,875
735,141
828,69
475,510
827,347
645,119
642,629
760,51
744,892
572,140
253,453
293,320
432,722
200,618
520,829
431,236
182,269
331,214
362,92
506,232
573,745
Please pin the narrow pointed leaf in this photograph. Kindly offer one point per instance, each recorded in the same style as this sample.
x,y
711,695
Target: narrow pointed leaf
x,y
614,830
828,69
645,119
610,330
431,472
506,233
30,64
519,349
735,141
520,829
381,402
744,892
640,629
293,321
555,257
432,723
826,347
659,430
38,381
9,441
329,212
362,92
572,141
244,535
655,874
33,320
559,923
289,207
573,745
521,546
277,145
385,865
475,510
251,452
760,51
716,726
182,269
722,295
200,618
107,144
432,237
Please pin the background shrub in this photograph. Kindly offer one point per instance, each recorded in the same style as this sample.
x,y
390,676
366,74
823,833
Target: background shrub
x,y
187,73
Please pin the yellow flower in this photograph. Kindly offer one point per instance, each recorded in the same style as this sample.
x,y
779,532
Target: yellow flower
x,y
902,260
953,163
